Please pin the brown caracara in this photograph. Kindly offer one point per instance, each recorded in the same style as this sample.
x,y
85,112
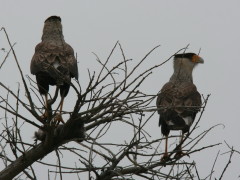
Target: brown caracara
x,y
179,101
53,62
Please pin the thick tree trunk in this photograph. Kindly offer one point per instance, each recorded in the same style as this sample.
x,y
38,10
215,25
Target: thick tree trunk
x,y
51,141
26,160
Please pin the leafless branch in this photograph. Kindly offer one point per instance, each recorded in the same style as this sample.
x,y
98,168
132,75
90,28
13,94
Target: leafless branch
x,y
114,96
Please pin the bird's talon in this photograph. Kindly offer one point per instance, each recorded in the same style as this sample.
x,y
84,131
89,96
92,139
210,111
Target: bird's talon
x,y
165,158
44,117
57,119
180,154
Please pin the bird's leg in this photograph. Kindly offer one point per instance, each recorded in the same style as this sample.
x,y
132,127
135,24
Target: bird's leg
x,y
165,156
45,115
58,117
179,152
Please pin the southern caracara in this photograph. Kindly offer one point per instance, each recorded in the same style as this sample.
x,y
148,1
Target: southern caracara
x,y
179,101
53,62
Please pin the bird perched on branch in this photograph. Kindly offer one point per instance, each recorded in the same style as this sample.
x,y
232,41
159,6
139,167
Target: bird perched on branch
x,y
53,62
179,101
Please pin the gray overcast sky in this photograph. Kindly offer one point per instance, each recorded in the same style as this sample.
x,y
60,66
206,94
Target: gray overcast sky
x,y
139,25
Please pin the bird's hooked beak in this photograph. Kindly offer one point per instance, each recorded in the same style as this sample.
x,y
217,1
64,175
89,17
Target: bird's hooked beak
x,y
197,59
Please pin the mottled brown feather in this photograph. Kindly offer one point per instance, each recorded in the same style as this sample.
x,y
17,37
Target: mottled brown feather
x,y
46,53
178,97
53,62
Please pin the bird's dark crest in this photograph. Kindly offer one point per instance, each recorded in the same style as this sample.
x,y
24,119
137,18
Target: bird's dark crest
x,y
53,18
185,55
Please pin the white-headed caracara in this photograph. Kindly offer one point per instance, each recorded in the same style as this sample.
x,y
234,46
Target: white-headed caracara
x,y
179,101
53,62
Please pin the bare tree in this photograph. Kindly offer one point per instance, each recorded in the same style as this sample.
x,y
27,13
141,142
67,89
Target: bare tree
x,y
114,95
